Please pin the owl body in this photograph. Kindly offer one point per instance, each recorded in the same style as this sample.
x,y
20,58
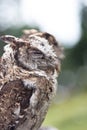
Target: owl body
x,y
28,71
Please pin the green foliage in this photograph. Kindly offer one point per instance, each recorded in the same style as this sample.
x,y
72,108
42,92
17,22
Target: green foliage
x,y
17,31
77,56
75,61
69,115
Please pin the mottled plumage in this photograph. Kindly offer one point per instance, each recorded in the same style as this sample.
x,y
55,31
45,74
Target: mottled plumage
x,y
28,71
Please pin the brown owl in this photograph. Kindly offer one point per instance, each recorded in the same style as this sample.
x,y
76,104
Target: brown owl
x,y
28,71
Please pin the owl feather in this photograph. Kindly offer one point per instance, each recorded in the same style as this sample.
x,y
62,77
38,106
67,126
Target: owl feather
x,y
29,67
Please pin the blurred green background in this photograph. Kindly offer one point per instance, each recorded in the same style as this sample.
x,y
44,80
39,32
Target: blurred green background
x,y
69,112
69,108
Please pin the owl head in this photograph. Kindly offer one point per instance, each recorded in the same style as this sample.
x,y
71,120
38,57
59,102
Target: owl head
x,y
33,51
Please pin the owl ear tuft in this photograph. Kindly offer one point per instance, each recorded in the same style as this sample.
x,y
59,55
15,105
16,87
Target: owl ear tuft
x,y
13,40
8,38
50,38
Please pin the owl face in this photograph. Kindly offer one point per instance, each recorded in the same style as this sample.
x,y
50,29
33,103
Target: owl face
x,y
37,52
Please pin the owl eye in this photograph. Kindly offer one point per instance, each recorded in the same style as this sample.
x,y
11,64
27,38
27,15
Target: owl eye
x,y
37,52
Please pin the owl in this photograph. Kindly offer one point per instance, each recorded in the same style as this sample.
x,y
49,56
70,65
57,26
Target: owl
x,y
29,67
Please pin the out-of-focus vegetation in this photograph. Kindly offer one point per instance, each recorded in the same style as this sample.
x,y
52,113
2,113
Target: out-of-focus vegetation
x,y
70,110
69,115
74,66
